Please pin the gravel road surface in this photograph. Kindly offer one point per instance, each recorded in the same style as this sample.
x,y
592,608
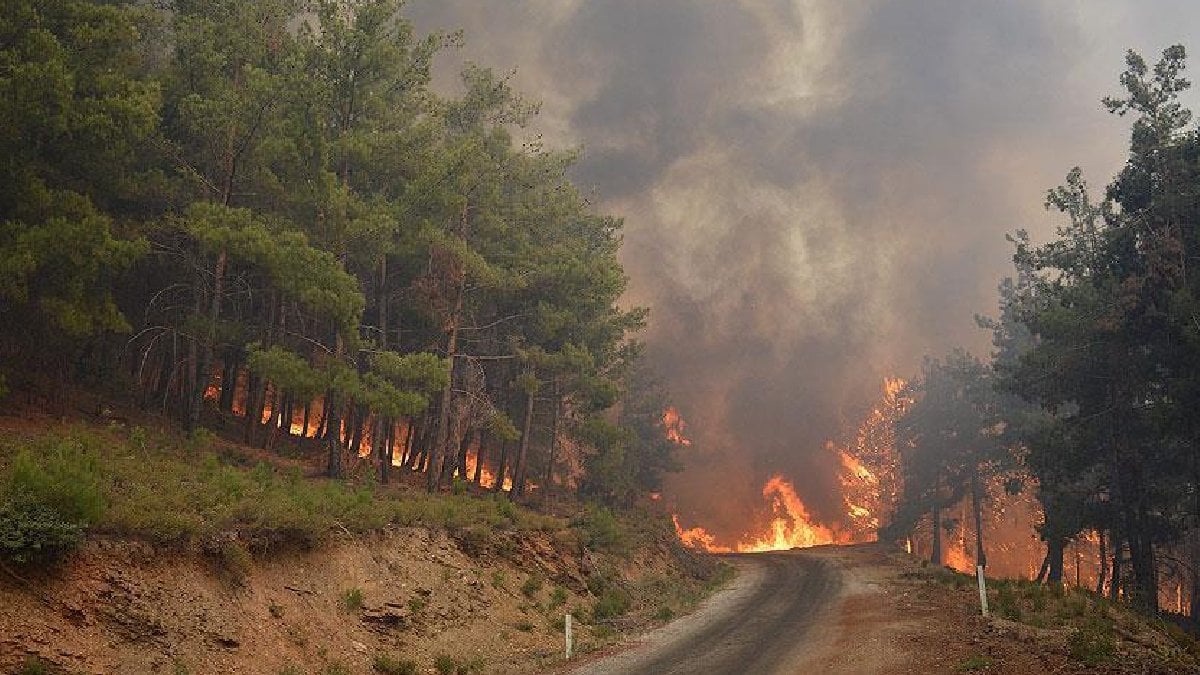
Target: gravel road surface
x,y
757,625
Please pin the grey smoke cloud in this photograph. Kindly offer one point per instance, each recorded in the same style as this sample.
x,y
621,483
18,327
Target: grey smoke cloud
x,y
816,192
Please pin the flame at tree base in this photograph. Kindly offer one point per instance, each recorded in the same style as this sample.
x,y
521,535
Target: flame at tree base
x,y
791,527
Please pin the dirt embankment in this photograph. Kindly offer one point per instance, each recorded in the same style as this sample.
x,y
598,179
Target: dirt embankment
x,y
410,594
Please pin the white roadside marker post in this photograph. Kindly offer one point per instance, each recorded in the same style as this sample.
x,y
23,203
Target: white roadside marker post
x,y
570,641
982,590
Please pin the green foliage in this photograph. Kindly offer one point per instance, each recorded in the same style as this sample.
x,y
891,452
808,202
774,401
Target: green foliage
x,y
47,501
446,664
613,602
352,599
600,528
532,586
974,664
558,597
32,665
1094,642
390,665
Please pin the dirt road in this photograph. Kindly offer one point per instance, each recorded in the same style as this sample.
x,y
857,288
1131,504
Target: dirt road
x,y
763,623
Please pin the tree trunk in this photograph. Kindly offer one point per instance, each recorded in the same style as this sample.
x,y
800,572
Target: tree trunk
x,y
523,452
548,477
471,438
935,552
276,417
333,435
1103,575
502,466
484,441
394,439
977,505
1055,548
255,391
203,372
361,420
229,376
1114,586
307,415
440,446
453,320
1145,576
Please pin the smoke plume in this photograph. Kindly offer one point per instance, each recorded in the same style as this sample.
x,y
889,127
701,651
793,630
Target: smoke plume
x,y
816,192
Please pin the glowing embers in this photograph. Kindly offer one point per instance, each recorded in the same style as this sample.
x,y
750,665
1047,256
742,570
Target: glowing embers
x,y
674,426
790,526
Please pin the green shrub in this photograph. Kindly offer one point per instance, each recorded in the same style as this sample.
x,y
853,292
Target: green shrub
x,y
389,665
34,532
448,665
557,597
352,600
601,529
973,664
33,666
531,586
664,613
524,626
613,602
499,579
1093,642
445,664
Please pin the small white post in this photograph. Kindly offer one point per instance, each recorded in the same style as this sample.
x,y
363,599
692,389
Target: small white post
x,y
570,640
982,590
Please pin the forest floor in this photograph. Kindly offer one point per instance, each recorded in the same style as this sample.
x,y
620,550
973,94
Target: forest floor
x,y
223,559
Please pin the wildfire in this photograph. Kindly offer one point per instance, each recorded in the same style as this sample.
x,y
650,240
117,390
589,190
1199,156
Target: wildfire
x,y
791,526
674,425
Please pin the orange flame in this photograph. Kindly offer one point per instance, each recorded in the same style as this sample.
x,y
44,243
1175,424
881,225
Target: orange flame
x,y
791,526
674,425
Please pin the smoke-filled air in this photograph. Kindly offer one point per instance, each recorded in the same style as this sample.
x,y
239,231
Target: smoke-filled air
x,y
816,194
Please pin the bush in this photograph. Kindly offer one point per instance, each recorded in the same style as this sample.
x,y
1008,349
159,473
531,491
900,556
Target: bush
x,y
557,597
32,532
448,665
391,666
1093,642
352,600
47,503
531,586
973,664
33,666
601,529
613,602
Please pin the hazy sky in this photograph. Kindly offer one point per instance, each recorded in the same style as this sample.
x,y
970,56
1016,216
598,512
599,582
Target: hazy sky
x,y
815,192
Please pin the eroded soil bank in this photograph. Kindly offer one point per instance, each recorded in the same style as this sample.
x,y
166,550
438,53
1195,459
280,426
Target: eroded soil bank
x,y
409,594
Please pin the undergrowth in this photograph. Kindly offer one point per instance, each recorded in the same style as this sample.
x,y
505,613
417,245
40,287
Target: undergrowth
x,y
61,484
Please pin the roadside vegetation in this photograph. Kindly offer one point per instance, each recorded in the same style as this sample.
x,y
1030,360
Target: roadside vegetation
x,y
1090,632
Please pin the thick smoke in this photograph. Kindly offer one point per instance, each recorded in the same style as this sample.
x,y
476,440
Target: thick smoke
x,y
815,196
